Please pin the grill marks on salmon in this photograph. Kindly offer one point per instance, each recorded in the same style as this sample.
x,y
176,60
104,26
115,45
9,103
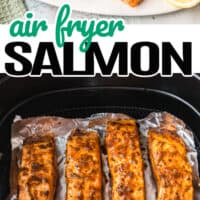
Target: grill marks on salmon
x,y
170,166
125,160
37,173
83,166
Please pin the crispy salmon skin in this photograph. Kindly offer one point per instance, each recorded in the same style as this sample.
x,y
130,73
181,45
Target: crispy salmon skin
x,y
83,166
170,166
37,173
125,160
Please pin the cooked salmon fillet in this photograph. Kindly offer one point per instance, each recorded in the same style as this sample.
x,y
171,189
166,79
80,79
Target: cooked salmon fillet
x,y
37,173
83,166
125,160
170,165
132,3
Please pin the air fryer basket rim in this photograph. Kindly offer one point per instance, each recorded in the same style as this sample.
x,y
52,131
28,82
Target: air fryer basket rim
x,y
15,90
101,88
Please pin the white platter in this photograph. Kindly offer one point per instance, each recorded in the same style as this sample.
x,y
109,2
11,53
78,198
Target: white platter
x,y
117,7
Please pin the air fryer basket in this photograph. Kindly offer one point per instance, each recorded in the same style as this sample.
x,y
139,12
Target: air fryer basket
x,y
82,102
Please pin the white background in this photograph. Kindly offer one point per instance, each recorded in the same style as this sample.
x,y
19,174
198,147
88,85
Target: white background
x,y
175,34
188,16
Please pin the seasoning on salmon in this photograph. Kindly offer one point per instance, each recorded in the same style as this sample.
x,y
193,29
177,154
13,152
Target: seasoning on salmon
x,y
171,168
132,3
125,160
37,172
83,166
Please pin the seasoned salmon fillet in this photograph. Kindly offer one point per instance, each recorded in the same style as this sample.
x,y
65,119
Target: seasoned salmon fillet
x,y
37,173
132,3
125,160
170,165
83,166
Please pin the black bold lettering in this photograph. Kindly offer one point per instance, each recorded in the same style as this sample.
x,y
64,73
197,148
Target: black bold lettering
x,y
169,53
69,62
46,47
119,51
26,64
153,59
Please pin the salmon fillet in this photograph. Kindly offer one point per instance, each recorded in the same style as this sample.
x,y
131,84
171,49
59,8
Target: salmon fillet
x,y
170,166
132,3
83,166
37,173
125,160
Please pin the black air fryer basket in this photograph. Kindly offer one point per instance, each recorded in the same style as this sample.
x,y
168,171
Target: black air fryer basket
x,y
81,97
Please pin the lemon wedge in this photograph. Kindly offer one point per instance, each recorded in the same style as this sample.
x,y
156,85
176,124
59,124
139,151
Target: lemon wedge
x,y
184,3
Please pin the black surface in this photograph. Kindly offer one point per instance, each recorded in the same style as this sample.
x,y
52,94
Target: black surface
x,y
93,95
15,90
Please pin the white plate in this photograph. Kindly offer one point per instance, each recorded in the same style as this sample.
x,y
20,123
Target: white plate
x,y
117,7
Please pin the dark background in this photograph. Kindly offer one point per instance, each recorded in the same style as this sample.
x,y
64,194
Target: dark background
x,y
14,90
